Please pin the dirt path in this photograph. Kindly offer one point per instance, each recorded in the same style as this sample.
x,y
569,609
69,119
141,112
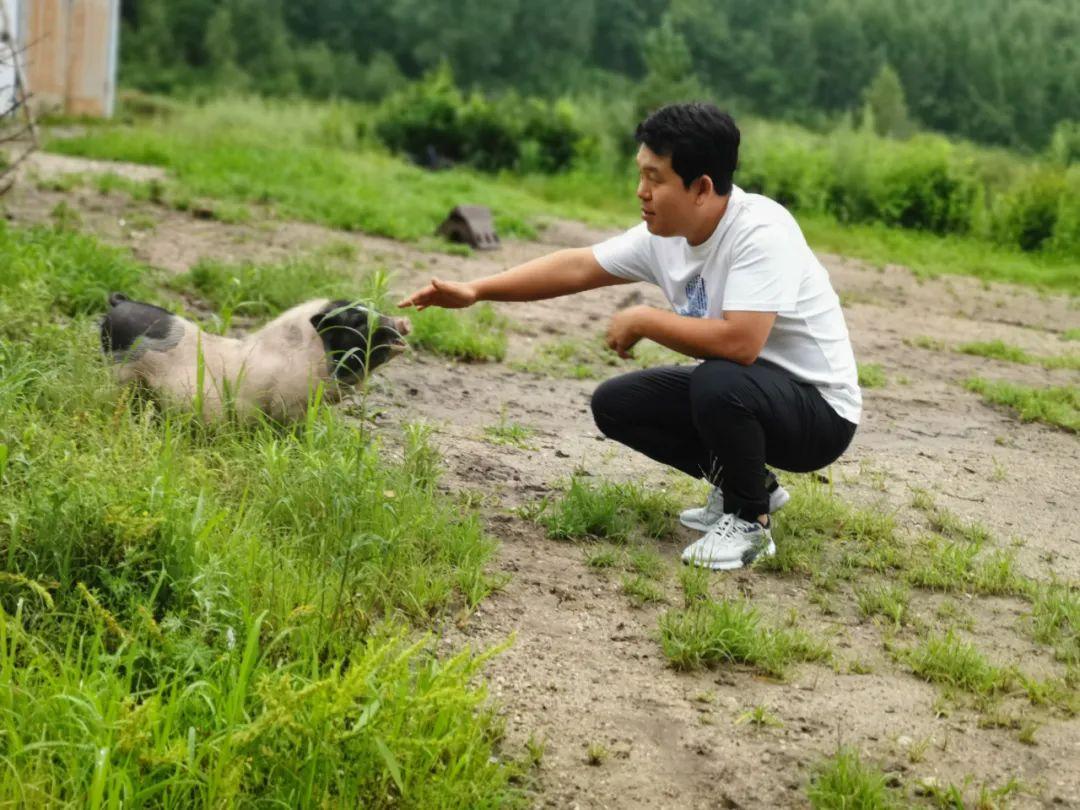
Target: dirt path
x,y
585,668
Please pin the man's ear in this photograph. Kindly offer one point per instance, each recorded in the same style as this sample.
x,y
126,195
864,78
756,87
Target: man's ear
x,y
703,188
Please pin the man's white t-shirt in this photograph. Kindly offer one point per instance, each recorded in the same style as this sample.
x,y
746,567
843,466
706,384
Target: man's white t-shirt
x,y
756,260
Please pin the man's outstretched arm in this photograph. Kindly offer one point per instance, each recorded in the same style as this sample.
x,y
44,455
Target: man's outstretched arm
x,y
560,273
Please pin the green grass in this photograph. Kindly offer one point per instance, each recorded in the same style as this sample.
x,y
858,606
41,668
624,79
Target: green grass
x,y
509,434
890,601
711,634
946,523
606,510
941,565
570,358
294,158
872,375
477,334
60,271
761,717
641,590
817,526
227,614
926,342
265,290
1055,620
949,661
932,256
591,359
1058,406
281,154
999,350
845,782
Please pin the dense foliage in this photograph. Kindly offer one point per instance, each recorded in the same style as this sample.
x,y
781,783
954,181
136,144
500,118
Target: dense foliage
x,y
996,71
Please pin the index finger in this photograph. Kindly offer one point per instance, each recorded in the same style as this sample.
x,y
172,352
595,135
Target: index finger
x,y
411,300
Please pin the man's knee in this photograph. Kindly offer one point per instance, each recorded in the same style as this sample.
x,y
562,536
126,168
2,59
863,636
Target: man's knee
x,y
608,406
719,385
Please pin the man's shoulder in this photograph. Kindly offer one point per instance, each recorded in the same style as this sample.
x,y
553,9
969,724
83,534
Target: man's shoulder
x,y
762,217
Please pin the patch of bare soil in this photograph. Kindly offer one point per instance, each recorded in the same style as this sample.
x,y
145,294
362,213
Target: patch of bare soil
x,y
585,668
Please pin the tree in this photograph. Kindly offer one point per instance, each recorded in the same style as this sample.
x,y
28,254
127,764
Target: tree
x,y
670,76
885,108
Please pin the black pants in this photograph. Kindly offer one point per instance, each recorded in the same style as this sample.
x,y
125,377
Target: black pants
x,y
725,421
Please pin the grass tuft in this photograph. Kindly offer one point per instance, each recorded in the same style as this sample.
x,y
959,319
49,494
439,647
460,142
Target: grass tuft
x,y
608,510
952,662
999,350
872,375
711,634
475,335
1052,406
845,782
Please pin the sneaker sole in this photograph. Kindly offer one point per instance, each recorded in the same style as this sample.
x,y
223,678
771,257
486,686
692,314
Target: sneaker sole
x,y
777,501
731,565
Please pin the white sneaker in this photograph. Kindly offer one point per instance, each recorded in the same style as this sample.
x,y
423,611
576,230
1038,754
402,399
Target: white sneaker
x,y
705,517
731,543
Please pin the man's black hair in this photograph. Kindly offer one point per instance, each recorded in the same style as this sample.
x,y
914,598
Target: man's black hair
x,y
699,139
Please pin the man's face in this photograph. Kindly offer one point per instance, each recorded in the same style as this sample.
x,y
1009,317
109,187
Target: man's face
x,y
667,206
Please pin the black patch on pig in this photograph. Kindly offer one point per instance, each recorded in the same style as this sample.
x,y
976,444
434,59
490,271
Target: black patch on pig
x,y
131,327
346,331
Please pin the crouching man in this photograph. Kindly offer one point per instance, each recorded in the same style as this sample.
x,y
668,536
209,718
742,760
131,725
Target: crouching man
x,y
777,384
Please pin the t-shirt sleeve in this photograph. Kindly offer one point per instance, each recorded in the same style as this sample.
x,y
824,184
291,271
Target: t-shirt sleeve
x,y
628,255
765,272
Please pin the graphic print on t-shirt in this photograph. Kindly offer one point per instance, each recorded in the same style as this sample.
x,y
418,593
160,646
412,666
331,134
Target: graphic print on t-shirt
x,y
697,302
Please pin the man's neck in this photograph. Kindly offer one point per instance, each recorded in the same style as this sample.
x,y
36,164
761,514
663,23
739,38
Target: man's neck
x,y
710,218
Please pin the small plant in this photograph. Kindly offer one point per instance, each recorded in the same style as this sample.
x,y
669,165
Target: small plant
x,y
843,781
509,433
642,591
759,716
694,582
596,754
1055,620
916,750
871,375
1026,734
602,557
890,601
647,563
925,342
535,750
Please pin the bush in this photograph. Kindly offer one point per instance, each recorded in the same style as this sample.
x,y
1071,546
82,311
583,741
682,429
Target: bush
x,y
432,122
1066,239
424,116
1027,214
